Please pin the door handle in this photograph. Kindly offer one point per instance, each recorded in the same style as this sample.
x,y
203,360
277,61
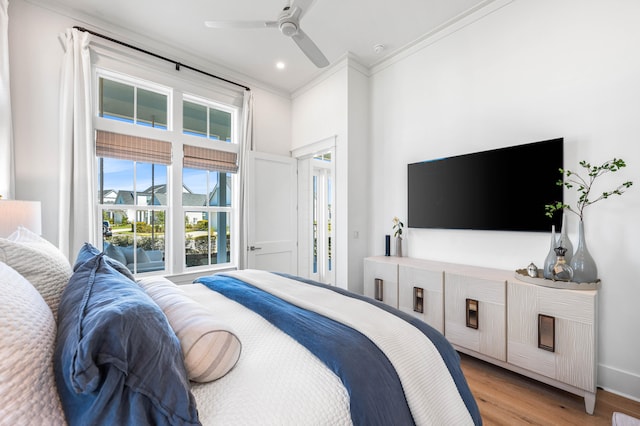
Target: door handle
x,y
254,248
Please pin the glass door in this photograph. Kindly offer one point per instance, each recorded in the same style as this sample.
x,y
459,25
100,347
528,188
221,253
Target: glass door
x,y
322,256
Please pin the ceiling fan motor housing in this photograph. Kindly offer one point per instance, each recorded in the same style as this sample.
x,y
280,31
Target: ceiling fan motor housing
x,y
288,28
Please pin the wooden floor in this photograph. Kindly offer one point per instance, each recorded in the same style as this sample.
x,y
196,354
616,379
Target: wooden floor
x,y
507,398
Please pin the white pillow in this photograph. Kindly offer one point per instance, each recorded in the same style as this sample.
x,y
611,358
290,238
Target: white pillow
x,y
28,393
40,262
209,347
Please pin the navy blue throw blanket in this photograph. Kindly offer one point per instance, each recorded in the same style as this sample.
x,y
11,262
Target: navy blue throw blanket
x,y
449,355
373,385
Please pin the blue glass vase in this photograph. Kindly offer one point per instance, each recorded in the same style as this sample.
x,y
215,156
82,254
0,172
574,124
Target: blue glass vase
x,y
583,265
550,260
564,241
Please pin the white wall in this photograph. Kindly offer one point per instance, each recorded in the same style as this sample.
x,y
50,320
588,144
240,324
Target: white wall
x,y
271,122
319,110
35,60
358,168
530,71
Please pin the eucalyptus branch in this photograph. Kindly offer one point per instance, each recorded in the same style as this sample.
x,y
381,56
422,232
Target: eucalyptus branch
x,y
584,186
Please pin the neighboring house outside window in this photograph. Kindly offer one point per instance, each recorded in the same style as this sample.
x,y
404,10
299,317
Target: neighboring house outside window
x,y
160,214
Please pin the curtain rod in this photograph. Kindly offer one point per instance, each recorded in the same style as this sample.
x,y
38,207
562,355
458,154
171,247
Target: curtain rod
x,y
177,64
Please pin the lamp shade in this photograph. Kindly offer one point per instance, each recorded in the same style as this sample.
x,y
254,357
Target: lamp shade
x,y
15,213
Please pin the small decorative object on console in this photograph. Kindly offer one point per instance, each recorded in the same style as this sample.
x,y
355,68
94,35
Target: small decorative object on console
x,y
532,270
561,271
397,227
397,232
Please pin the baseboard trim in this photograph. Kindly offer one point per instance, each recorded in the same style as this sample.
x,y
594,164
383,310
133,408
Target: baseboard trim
x,y
623,383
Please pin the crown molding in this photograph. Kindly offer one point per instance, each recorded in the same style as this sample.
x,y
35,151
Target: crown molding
x,y
455,24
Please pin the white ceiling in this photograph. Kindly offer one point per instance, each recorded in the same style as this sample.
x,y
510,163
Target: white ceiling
x,y
336,26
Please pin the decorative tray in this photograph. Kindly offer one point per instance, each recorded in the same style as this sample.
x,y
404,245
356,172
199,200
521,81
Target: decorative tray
x,y
522,275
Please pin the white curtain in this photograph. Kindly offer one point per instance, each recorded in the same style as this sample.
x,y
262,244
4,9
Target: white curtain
x,y
7,184
246,147
77,214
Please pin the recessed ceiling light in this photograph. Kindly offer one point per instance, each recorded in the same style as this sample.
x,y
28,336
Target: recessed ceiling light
x,y
280,65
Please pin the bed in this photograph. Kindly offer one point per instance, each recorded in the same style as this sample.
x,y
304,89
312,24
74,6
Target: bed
x,y
240,348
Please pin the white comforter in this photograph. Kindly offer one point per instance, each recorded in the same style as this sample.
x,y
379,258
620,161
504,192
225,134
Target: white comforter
x,y
277,381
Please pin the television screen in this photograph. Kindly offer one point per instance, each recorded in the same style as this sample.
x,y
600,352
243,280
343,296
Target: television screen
x,y
503,189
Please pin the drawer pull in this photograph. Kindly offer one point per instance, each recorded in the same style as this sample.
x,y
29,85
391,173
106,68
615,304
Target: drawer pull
x,y
418,300
547,332
472,314
379,287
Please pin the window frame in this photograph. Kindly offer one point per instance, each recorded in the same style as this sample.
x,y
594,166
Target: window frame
x,y
177,91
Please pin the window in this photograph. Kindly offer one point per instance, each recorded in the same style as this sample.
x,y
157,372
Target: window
x,y
132,104
202,120
135,212
207,217
322,187
142,191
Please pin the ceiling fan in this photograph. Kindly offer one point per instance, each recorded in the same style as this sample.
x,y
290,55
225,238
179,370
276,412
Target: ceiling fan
x,y
288,23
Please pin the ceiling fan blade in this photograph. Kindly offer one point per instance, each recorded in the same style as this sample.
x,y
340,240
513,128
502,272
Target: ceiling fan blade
x,y
310,49
303,5
241,24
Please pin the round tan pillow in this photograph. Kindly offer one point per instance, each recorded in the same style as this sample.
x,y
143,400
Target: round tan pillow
x,y
209,346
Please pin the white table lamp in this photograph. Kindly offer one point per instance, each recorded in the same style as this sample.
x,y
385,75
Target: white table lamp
x,y
15,213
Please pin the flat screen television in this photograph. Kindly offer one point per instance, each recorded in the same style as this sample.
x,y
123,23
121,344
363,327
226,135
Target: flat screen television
x,y
502,189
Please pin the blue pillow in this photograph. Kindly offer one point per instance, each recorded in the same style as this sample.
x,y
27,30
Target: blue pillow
x,y
87,251
117,360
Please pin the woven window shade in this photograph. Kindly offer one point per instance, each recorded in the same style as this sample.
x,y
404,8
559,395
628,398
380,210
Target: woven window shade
x,y
210,159
127,147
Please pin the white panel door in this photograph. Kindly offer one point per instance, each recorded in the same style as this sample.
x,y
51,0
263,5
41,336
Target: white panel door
x,y
272,228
